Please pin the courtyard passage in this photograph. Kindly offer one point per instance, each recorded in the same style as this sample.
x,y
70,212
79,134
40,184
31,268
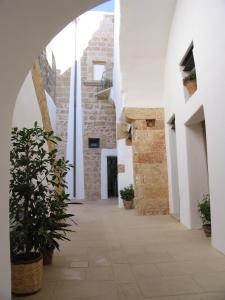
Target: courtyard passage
x,y
116,255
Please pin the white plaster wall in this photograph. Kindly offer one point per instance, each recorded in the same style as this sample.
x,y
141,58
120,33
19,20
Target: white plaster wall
x,y
117,94
125,157
208,35
144,29
79,137
27,110
51,110
104,172
70,135
22,38
174,191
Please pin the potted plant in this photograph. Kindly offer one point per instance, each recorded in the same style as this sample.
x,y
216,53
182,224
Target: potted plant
x,y
204,210
127,194
57,226
32,188
190,82
57,222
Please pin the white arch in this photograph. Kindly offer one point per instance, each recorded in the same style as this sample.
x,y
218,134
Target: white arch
x,y
26,27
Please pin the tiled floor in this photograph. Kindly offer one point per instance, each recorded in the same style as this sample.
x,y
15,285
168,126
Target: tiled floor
x,y
115,255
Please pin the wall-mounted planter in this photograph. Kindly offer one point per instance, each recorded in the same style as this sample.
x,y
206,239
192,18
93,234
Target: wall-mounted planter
x,y
191,86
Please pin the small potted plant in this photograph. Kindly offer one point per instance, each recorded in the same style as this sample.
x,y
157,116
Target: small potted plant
x,y
127,194
190,82
204,210
33,187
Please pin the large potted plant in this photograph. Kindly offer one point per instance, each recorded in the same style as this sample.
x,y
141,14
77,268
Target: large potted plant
x,y
57,222
32,189
205,214
190,82
127,194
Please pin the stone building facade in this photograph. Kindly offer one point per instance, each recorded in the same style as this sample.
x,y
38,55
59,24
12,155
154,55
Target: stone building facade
x,y
99,117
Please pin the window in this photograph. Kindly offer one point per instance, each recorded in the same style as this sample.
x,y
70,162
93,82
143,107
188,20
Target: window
x,y
150,123
98,70
188,62
189,73
93,142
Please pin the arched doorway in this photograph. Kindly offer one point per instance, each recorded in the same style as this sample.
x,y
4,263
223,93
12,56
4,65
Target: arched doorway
x,y
25,30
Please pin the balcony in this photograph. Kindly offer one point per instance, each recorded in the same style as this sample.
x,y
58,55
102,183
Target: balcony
x,y
105,85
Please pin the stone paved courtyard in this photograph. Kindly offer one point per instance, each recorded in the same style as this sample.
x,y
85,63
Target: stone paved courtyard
x,y
115,255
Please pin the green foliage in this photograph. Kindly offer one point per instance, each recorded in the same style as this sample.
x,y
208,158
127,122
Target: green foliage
x,y
37,199
107,83
204,209
127,193
191,76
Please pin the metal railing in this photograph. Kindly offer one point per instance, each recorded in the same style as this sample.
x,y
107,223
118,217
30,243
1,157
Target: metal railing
x,y
106,81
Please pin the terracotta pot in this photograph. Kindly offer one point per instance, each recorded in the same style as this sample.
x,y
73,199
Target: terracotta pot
x,y
47,257
191,86
128,204
207,229
27,276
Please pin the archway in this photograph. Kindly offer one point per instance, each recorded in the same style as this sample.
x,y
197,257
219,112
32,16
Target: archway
x,y
26,28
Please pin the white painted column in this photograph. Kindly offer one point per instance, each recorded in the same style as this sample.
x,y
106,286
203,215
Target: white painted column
x,y
125,157
79,139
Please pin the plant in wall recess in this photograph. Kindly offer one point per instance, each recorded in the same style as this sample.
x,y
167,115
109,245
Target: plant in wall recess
x,y
205,213
190,82
38,203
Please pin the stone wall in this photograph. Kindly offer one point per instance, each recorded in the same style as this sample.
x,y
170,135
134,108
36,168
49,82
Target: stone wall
x,y
48,74
149,160
99,118
62,103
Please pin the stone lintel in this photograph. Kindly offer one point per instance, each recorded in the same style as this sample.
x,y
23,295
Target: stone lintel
x,y
130,114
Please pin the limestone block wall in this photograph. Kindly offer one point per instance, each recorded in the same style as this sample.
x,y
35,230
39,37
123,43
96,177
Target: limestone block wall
x,y
99,117
149,160
99,121
48,74
62,104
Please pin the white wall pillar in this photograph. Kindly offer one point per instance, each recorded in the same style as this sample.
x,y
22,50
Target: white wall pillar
x,y
125,157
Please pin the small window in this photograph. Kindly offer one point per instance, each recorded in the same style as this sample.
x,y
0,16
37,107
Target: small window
x,y
189,73
150,123
93,142
188,62
98,70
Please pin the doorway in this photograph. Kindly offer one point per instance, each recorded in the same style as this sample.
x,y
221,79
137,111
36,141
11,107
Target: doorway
x,y
175,205
197,163
112,176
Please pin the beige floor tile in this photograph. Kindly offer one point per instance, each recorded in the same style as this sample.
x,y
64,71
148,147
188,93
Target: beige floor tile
x,y
133,258
207,296
211,282
168,286
118,256
123,273
164,298
79,264
100,273
89,289
191,267
148,258
57,273
145,271
129,291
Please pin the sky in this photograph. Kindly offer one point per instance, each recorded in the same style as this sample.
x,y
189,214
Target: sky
x,y
107,7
